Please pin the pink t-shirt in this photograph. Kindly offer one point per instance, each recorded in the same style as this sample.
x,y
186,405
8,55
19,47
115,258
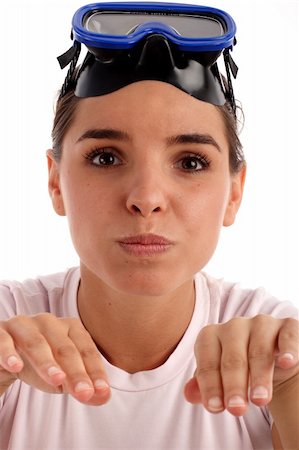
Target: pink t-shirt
x,y
147,410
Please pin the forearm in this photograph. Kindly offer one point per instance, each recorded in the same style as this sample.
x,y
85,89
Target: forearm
x,y
284,409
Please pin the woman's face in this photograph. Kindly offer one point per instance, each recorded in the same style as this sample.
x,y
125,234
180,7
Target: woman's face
x,y
145,183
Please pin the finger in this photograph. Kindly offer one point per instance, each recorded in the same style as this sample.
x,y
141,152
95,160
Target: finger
x,y
72,350
56,333
208,356
288,344
234,365
93,363
30,342
9,357
192,392
77,381
261,350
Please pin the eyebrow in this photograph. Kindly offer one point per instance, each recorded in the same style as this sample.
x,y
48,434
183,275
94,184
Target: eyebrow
x,y
194,138
110,133
104,133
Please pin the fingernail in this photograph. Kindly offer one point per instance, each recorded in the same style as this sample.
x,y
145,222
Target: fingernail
x,y
101,384
236,401
54,371
13,361
215,404
259,392
82,386
288,356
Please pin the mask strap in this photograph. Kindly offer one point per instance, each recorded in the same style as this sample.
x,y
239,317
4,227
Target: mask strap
x,y
71,56
231,68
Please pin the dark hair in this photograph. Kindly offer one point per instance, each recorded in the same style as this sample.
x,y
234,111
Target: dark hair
x,y
232,126
66,108
64,115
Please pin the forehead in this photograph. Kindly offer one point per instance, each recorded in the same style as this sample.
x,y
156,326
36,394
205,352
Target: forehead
x,y
150,108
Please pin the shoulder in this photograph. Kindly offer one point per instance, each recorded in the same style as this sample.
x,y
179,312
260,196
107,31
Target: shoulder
x,y
229,299
33,296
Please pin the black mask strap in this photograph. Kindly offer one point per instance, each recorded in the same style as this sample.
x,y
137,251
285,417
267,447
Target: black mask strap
x,y
231,68
71,56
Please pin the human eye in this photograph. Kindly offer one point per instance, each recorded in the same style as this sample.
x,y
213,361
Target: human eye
x,y
104,157
193,163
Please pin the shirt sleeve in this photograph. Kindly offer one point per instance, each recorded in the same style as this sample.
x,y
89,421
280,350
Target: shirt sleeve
x,y
239,302
7,303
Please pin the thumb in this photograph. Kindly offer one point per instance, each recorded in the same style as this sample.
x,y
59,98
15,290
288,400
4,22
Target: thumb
x,y
192,392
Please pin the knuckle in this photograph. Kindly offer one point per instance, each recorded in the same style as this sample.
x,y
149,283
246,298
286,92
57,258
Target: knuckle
x,y
66,351
44,318
233,361
207,331
82,334
14,323
89,352
234,324
290,330
260,352
262,319
33,342
203,338
208,366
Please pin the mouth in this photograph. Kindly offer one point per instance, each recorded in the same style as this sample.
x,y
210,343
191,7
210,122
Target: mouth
x,y
145,244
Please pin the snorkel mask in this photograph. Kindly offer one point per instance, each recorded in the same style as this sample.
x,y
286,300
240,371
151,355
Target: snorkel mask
x,y
169,42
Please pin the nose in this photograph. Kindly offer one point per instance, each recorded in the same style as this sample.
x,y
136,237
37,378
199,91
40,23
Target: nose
x,y
147,194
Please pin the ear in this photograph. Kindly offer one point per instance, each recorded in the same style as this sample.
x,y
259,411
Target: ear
x,y
235,197
54,184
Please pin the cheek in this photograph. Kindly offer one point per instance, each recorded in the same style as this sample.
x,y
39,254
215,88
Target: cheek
x,y
82,196
206,206
203,221
82,203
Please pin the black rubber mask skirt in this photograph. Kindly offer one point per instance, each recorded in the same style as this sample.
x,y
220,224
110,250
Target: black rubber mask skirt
x,y
104,70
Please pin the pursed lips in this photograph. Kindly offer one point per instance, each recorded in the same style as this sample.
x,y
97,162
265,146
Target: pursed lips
x,y
145,244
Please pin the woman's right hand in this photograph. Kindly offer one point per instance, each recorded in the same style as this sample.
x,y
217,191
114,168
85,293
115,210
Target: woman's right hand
x,y
55,355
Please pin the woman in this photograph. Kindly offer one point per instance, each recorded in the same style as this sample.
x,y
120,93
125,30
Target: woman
x,y
147,175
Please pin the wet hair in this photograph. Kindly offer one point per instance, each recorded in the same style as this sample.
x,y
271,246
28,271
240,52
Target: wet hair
x,y
66,108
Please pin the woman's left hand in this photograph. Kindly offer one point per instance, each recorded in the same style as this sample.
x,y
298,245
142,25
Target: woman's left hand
x,y
243,360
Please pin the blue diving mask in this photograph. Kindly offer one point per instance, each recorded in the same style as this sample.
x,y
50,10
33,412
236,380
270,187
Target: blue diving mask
x,y
169,42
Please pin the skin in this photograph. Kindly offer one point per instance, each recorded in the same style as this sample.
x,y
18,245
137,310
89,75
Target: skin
x,y
126,299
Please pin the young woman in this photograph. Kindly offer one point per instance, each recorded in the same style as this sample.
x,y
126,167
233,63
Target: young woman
x,y
145,349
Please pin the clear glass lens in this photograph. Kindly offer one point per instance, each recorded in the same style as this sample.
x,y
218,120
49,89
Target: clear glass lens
x,y
119,23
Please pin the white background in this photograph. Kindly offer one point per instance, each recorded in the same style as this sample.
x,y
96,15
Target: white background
x,y
262,248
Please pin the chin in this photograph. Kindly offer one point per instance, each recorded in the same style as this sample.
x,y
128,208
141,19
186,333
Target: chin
x,y
143,280
150,285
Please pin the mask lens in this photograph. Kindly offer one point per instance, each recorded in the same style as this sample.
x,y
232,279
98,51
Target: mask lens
x,y
123,23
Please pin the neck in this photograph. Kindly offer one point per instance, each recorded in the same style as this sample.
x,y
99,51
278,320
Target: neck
x,y
134,333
